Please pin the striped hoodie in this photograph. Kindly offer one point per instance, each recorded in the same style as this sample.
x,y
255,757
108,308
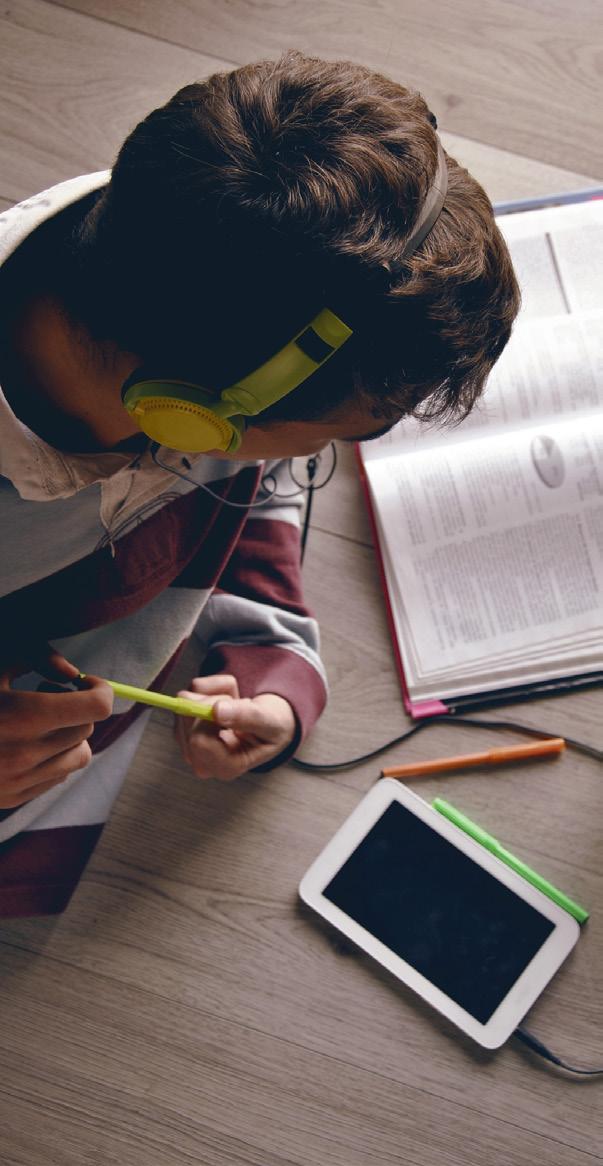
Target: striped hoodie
x,y
117,562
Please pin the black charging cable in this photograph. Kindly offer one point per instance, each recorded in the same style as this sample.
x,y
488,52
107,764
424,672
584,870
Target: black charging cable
x,y
311,469
443,719
538,1047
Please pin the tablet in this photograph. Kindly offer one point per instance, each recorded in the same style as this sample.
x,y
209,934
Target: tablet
x,y
440,912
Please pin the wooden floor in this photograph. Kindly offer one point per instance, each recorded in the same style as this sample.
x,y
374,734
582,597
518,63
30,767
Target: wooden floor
x,y
185,1009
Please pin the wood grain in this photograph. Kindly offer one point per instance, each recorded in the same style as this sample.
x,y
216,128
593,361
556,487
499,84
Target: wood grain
x,y
186,1008
71,88
523,77
180,1085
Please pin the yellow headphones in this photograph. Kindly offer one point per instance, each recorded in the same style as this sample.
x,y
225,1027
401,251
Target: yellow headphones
x,y
187,417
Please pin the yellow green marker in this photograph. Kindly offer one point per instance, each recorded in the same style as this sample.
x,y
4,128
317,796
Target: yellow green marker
x,y
176,704
516,864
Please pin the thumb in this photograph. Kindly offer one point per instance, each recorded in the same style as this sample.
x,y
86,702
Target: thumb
x,y
248,717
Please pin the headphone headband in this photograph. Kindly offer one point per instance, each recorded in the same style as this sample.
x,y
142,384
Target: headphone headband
x,y
430,213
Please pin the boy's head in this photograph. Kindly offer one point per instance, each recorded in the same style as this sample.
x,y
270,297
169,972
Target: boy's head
x,y
252,200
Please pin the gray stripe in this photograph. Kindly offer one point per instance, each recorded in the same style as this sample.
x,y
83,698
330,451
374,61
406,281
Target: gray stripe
x,y
232,621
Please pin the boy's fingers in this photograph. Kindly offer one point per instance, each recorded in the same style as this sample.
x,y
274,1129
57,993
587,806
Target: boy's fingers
x,y
230,739
222,684
244,733
247,716
23,758
239,765
210,757
49,711
52,664
38,657
53,771
206,698
77,708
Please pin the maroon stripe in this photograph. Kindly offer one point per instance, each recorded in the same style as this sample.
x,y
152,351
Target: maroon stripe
x,y
100,588
40,869
266,566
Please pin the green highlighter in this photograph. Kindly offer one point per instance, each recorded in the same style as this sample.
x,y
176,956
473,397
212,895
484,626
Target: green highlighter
x,y
494,846
176,704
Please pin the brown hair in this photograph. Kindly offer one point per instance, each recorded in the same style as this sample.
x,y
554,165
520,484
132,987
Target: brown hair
x,y
251,200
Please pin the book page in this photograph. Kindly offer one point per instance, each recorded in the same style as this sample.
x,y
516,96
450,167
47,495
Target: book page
x,y
497,546
553,363
551,368
538,275
580,260
557,254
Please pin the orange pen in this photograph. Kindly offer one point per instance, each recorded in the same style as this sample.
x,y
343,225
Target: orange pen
x,y
549,745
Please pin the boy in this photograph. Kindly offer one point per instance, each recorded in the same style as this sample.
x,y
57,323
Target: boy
x,y
237,218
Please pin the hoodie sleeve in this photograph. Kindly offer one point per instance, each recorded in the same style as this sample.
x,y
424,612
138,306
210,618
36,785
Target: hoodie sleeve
x,y
256,624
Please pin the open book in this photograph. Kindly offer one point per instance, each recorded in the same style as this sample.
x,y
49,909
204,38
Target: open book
x,y
490,534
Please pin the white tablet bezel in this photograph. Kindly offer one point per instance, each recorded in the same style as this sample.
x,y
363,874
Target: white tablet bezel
x,y
536,975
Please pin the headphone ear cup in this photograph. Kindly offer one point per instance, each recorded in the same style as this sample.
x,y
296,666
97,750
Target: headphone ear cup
x,y
182,426
179,415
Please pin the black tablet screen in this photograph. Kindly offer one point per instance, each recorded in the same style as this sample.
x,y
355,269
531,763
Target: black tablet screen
x,y
437,909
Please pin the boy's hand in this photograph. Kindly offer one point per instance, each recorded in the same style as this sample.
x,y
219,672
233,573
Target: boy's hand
x,y
43,736
246,732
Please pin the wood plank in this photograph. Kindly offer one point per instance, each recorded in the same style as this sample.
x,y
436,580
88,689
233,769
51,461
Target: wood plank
x,y
525,77
182,1085
71,89
506,176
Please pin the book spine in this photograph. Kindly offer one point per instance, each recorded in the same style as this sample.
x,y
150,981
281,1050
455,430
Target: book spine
x,y
426,708
523,692
538,203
